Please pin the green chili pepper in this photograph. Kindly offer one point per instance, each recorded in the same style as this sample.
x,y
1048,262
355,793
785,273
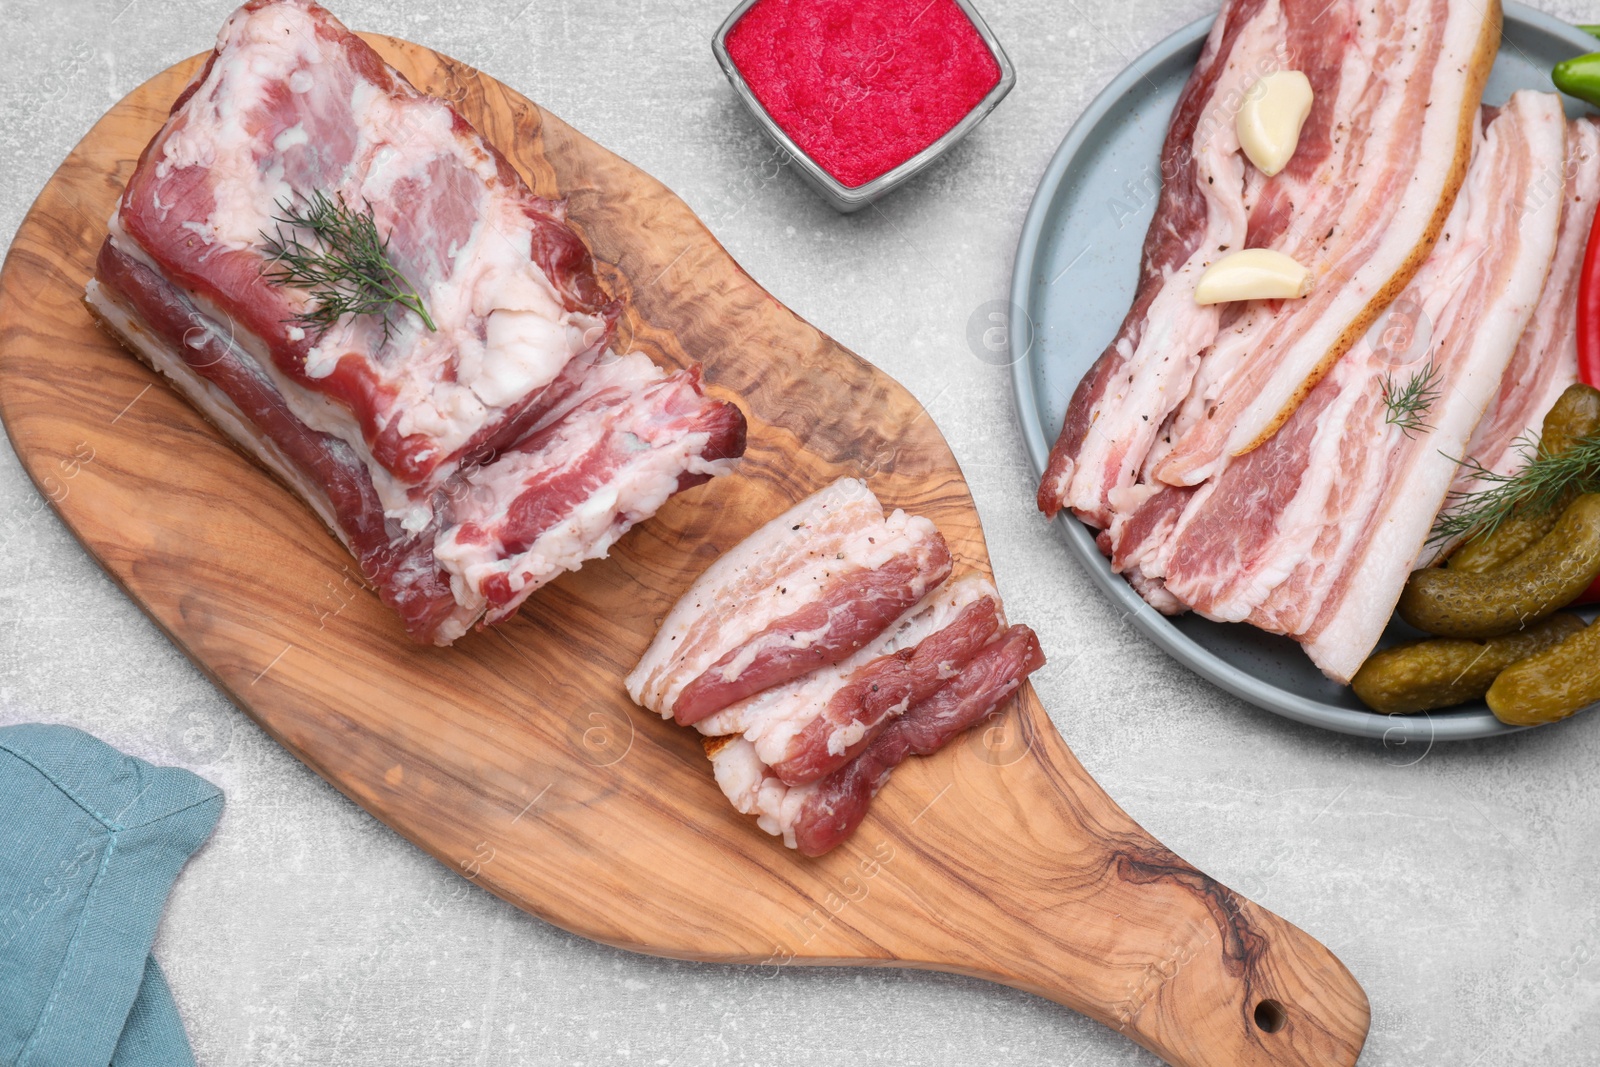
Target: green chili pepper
x,y
1592,31
1579,77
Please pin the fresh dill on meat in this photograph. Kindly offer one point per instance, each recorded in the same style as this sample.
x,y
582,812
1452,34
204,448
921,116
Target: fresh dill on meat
x,y
1409,404
1545,482
344,265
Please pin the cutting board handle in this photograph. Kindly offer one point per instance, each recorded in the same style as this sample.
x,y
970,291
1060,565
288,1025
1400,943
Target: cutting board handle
x,y
1239,987
1077,903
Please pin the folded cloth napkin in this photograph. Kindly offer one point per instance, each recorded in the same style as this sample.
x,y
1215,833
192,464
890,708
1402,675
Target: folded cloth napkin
x,y
90,843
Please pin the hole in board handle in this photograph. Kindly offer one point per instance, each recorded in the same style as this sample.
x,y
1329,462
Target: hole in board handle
x,y
1270,1016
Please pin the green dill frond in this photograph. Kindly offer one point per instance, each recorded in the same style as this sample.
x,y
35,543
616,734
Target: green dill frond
x,y
344,266
1542,485
1408,405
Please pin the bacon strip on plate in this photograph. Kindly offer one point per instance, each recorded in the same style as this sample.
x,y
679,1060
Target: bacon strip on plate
x,y
1400,119
1313,534
1386,145
1144,373
1546,360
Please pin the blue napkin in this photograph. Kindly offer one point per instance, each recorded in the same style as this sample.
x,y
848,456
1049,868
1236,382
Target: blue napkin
x,y
90,843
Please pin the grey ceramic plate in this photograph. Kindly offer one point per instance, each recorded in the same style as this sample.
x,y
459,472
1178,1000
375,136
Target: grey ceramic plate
x,y
1074,279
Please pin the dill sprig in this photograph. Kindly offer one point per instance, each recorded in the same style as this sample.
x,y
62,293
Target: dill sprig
x,y
1545,481
1409,404
344,266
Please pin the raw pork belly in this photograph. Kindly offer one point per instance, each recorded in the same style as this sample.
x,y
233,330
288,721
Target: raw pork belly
x,y
823,650
569,488
463,465
818,816
1546,360
805,591
1314,533
1396,93
1398,133
1247,464
805,728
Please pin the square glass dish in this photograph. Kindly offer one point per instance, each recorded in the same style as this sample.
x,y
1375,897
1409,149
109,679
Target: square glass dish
x,y
848,198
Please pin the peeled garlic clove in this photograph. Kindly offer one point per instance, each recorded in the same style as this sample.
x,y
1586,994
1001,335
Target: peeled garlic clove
x,y
1269,120
1253,274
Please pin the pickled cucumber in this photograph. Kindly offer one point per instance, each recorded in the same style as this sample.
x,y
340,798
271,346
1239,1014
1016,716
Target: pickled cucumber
x,y
1510,539
1535,585
1574,416
1437,673
1550,685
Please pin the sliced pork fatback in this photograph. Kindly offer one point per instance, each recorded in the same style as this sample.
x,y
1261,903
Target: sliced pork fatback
x,y
1364,221
1546,360
823,649
801,724
1314,533
1145,372
804,591
874,693
1396,88
817,817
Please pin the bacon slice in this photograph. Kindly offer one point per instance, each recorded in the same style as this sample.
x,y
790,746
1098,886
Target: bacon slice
x,y
776,718
1313,534
828,696
804,591
1144,373
1402,117
1486,308
877,691
1396,90
846,616
816,818
465,466
1546,360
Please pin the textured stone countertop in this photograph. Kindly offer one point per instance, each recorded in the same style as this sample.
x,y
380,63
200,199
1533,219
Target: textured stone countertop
x,y
1459,884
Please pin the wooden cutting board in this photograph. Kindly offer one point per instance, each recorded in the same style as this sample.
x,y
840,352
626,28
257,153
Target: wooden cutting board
x,y
515,757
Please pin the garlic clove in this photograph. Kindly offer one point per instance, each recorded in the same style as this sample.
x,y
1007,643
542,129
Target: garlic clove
x,y
1271,117
1253,274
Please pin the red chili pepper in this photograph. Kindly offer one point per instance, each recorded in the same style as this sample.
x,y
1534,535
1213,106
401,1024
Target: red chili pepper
x,y
1589,311
1589,337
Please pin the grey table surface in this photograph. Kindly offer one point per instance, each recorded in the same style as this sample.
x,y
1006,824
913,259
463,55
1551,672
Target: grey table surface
x,y
1458,883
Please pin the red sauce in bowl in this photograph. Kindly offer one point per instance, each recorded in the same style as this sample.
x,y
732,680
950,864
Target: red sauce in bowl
x,y
861,86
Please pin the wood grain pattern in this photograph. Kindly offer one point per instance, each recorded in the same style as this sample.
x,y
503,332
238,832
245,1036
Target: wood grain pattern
x,y
515,758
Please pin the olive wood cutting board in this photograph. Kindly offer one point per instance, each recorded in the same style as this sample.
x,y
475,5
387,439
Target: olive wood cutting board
x,y
515,757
